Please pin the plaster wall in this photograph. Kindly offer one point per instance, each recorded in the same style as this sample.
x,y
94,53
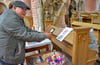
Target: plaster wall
x,y
90,5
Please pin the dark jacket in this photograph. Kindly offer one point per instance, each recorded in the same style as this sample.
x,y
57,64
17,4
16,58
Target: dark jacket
x,y
13,35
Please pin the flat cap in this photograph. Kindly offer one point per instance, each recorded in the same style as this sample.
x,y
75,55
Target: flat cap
x,y
20,4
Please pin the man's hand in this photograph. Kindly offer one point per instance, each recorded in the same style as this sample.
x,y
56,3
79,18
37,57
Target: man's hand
x,y
48,35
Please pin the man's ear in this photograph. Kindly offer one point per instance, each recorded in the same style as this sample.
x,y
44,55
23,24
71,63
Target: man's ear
x,y
14,7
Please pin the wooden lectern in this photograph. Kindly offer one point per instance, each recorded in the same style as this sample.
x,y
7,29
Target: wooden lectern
x,y
75,45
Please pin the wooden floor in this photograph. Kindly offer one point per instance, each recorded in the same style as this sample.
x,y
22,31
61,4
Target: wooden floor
x,y
97,63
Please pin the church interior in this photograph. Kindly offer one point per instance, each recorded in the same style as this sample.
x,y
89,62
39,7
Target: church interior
x,y
80,46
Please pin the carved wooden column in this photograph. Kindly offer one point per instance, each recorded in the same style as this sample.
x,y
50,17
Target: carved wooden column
x,y
80,48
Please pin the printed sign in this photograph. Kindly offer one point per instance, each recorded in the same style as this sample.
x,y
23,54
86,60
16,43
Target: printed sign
x,y
64,33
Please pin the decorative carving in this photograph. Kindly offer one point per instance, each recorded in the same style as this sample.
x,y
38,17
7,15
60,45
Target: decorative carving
x,y
51,9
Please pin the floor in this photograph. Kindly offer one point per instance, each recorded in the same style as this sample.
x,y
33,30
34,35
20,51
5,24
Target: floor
x,y
97,63
68,60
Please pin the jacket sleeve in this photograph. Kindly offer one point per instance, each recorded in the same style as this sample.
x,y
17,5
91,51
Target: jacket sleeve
x,y
19,31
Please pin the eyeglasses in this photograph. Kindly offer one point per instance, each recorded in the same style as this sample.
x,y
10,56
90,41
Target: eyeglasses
x,y
24,9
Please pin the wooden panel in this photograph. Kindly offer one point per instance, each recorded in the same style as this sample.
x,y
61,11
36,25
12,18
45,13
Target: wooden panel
x,y
86,25
37,48
91,54
39,54
91,63
47,23
63,46
96,20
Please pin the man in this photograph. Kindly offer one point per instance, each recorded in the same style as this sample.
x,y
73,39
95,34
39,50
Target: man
x,y
14,34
